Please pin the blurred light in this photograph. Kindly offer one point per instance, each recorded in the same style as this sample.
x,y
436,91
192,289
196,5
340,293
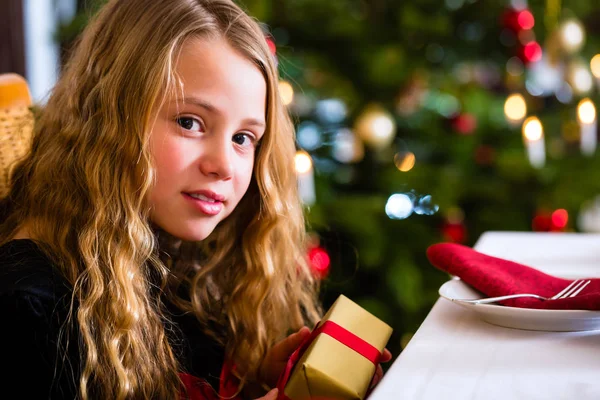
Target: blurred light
x,y
319,260
471,31
376,127
286,91
518,4
586,112
515,107
462,71
595,65
434,53
560,218
425,206
533,89
399,206
582,79
383,126
447,105
309,135
544,78
532,52
347,147
514,66
272,46
454,4
302,104
525,19
532,129
572,35
303,162
332,111
526,36
404,161
564,94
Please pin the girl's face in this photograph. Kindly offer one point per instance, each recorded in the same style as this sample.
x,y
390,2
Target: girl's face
x,y
204,141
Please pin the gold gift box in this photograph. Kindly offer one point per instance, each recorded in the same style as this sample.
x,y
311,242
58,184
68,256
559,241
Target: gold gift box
x,y
329,369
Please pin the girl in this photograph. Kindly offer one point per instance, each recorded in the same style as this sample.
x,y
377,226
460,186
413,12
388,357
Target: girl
x,y
153,235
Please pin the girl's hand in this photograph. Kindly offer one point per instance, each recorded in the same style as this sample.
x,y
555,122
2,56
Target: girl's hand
x,y
385,357
272,395
277,357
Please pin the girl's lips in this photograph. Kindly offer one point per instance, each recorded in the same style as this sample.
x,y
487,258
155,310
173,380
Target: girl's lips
x,y
206,207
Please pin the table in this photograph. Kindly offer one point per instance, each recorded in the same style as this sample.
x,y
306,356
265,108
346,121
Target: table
x,y
455,355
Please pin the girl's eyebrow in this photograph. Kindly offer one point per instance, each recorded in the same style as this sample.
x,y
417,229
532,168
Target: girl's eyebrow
x,y
212,109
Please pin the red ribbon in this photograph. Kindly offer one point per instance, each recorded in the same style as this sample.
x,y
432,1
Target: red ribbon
x,y
340,334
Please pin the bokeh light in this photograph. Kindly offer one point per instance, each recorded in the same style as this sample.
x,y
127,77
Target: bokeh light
x,y
286,91
532,52
572,35
404,161
515,107
399,206
581,78
586,111
560,218
532,129
331,111
309,135
525,19
595,65
303,162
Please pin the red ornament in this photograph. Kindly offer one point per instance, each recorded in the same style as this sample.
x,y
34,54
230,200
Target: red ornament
x,y
465,124
272,46
454,232
525,19
531,52
560,218
545,221
518,20
319,261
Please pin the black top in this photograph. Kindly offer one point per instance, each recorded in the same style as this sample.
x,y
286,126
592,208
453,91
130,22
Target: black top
x,y
34,304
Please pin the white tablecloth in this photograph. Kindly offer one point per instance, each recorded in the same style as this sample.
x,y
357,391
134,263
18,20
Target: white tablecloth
x,y
455,355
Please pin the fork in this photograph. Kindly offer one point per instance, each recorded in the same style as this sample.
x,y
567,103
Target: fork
x,y
570,291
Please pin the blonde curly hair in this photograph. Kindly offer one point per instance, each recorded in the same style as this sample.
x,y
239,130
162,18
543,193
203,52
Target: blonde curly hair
x,y
82,194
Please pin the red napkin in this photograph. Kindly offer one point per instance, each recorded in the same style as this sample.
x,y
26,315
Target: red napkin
x,y
498,277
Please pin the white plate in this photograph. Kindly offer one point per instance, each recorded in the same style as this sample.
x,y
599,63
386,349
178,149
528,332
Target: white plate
x,y
521,318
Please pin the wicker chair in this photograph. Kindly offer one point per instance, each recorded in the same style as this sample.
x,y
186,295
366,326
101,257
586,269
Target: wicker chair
x,y
16,125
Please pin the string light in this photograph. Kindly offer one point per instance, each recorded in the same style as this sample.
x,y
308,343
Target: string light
x,y
404,161
286,91
303,162
586,112
533,138
532,129
399,206
595,65
582,79
572,35
515,108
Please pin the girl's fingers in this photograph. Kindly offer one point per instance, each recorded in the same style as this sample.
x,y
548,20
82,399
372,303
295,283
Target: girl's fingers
x,y
272,395
386,356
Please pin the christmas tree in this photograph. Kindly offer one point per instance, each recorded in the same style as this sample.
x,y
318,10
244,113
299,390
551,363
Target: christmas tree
x,y
427,121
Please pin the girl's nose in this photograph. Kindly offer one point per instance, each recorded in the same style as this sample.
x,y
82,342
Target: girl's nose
x,y
217,160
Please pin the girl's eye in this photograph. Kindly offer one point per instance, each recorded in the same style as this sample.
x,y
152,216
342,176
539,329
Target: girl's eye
x,y
189,123
243,139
